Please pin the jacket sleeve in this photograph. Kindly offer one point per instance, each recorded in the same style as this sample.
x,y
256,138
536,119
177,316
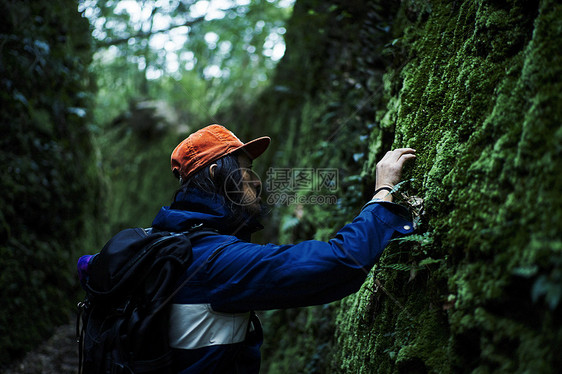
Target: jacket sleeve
x,y
250,276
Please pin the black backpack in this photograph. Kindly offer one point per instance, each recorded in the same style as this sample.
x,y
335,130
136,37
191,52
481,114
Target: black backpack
x,y
128,291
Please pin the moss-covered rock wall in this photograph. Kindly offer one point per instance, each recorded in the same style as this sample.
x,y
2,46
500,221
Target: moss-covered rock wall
x,y
479,97
475,87
49,182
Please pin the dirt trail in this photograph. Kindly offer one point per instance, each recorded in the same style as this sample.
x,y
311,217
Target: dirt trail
x,y
58,355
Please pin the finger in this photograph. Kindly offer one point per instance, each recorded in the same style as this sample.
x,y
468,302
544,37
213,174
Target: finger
x,y
405,150
404,158
398,152
408,155
395,154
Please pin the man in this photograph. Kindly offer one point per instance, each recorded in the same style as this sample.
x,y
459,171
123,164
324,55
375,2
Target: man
x,y
212,327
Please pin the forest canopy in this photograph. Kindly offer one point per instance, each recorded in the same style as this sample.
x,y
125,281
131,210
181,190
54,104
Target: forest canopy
x,y
218,53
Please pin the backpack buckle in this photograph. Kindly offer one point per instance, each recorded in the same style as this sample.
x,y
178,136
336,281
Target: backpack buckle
x,y
196,226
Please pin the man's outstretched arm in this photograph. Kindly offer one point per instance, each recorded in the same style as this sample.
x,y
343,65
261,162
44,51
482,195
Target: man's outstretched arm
x,y
251,276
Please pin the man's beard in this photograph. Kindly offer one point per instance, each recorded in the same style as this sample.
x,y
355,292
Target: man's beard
x,y
254,212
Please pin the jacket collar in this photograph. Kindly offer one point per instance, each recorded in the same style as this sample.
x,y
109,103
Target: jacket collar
x,y
195,207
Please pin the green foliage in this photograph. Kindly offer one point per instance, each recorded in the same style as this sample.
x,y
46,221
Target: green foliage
x,y
548,285
196,56
134,158
50,183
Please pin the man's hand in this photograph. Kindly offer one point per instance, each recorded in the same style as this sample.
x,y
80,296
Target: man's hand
x,y
389,170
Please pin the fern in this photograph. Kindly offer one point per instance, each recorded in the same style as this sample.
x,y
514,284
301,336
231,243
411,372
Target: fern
x,y
423,239
402,267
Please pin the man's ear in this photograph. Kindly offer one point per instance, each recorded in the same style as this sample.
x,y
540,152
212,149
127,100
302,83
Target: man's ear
x,y
212,169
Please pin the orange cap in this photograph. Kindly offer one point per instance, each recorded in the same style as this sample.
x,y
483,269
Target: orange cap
x,y
209,144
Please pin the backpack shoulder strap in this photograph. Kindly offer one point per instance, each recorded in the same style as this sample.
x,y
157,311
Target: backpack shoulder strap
x,y
192,234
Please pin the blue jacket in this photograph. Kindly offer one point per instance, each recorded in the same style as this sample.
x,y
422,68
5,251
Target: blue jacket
x,y
212,328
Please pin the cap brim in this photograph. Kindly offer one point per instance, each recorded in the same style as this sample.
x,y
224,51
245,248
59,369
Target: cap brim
x,y
254,148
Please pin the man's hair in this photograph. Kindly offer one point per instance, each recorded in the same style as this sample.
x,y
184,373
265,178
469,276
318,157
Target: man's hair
x,y
224,179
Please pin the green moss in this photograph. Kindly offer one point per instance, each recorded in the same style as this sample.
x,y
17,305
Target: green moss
x,y
469,105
